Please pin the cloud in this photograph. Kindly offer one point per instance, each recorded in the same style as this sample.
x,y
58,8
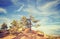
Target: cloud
x,y
20,8
2,10
49,29
44,9
14,1
6,20
16,17
31,10
43,12
48,9
18,4
46,15
49,5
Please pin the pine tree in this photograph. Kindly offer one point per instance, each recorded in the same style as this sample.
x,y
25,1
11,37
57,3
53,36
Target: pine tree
x,y
4,26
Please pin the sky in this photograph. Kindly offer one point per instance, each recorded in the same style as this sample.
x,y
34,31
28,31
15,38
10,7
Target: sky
x,y
47,11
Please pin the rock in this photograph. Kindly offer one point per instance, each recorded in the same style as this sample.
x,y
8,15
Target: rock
x,y
30,35
3,33
24,37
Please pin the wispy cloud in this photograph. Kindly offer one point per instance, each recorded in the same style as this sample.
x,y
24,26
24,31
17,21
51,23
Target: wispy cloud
x,y
39,11
20,8
45,11
14,1
48,29
6,20
49,5
2,10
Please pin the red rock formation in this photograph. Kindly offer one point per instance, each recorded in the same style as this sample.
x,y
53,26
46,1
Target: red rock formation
x,y
29,35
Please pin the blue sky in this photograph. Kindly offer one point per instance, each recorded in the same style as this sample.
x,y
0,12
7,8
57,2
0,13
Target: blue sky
x,y
47,11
